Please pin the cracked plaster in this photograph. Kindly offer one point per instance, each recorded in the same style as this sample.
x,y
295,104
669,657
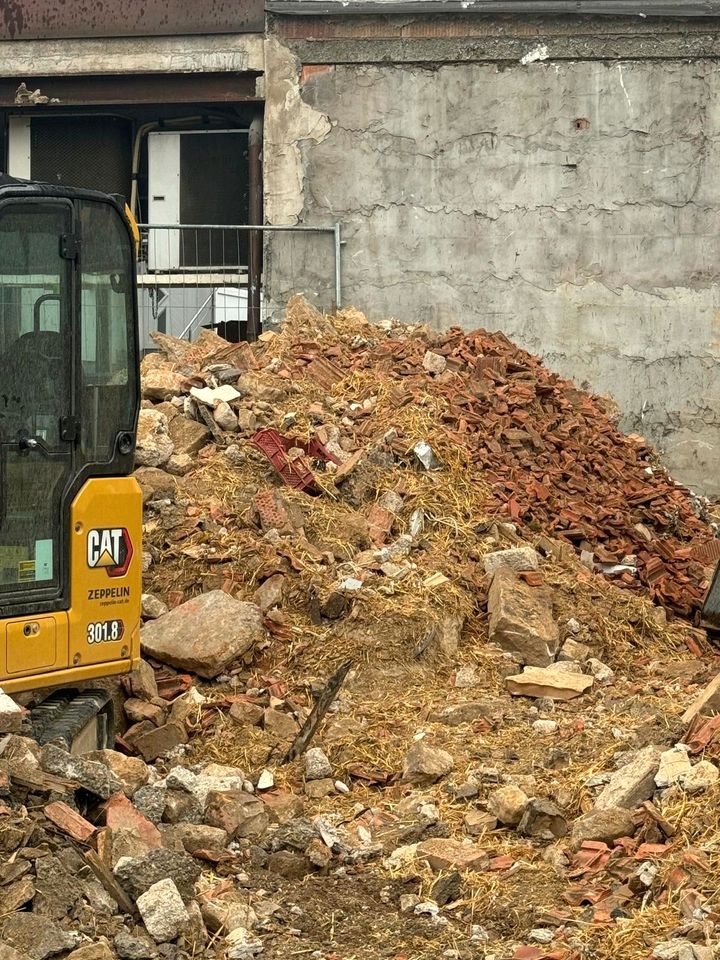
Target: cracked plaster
x,y
289,122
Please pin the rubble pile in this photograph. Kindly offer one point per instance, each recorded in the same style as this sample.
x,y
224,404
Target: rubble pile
x,y
548,456
408,689
556,463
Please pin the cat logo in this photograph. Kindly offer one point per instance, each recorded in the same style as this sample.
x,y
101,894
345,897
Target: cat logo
x,y
110,548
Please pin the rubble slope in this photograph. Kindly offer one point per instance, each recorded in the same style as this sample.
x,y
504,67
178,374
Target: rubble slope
x,y
442,698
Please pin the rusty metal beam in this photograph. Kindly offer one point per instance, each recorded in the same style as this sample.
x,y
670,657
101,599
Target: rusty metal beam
x,y
615,8
53,19
465,26
255,215
52,93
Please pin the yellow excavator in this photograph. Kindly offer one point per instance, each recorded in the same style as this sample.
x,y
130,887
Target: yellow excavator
x,y
70,511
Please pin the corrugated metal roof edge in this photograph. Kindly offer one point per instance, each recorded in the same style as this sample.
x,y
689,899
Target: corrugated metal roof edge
x,y
654,8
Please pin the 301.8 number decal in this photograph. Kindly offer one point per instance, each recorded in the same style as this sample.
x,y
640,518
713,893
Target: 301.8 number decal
x,y
105,631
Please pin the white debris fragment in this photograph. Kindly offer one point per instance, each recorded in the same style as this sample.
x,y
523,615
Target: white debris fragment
x,y
351,584
426,455
538,53
212,396
266,780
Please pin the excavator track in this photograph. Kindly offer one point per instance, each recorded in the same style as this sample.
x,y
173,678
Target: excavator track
x,y
82,720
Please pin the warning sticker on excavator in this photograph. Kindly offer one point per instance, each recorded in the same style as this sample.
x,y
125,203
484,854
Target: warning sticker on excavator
x,y
110,548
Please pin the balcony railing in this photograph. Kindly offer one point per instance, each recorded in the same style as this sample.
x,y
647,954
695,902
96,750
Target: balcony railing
x,y
196,276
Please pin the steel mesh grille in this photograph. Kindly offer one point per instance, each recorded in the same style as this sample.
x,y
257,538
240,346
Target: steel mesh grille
x,y
89,152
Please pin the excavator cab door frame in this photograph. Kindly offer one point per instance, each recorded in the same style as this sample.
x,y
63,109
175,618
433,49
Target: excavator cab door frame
x,y
37,398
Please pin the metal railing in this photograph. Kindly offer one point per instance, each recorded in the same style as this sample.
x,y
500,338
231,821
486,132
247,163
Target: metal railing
x,y
195,276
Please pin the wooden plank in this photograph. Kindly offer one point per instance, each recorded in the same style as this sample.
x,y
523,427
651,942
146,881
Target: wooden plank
x,y
193,280
104,875
322,705
69,821
38,780
667,828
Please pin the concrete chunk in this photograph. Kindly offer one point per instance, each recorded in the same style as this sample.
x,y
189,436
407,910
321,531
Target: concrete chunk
x,y
604,825
446,854
153,445
674,764
225,417
92,951
425,764
94,777
194,836
632,783
574,650
38,937
227,912
317,765
143,683
160,381
155,484
153,607
544,820
11,714
434,362
238,813
518,558
160,741
521,619
507,804
242,944
10,953
163,911
700,777
548,682
187,436
205,634
136,875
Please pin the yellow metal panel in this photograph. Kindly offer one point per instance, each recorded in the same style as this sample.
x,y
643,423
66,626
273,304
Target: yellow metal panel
x,y
67,678
134,229
105,572
36,644
105,589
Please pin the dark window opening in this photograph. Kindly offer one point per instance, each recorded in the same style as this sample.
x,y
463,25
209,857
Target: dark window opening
x,y
214,189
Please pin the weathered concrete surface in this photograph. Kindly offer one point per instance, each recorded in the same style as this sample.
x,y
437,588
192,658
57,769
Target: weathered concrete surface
x,y
197,54
446,38
573,205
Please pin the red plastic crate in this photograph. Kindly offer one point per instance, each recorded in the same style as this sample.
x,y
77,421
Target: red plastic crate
x,y
295,473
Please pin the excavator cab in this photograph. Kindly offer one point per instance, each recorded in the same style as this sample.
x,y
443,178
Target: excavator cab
x,y
70,513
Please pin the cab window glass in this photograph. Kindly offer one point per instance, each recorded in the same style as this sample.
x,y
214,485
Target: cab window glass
x,y
34,322
35,392
105,330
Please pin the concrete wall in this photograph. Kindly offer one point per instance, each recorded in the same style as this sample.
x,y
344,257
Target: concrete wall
x,y
573,205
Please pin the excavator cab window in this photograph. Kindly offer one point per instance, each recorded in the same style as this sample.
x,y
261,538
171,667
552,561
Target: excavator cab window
x,y
36,392
106,310
35,345
68,377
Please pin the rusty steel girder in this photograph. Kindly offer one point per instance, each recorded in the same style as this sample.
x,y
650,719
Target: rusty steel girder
x,y
57,19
